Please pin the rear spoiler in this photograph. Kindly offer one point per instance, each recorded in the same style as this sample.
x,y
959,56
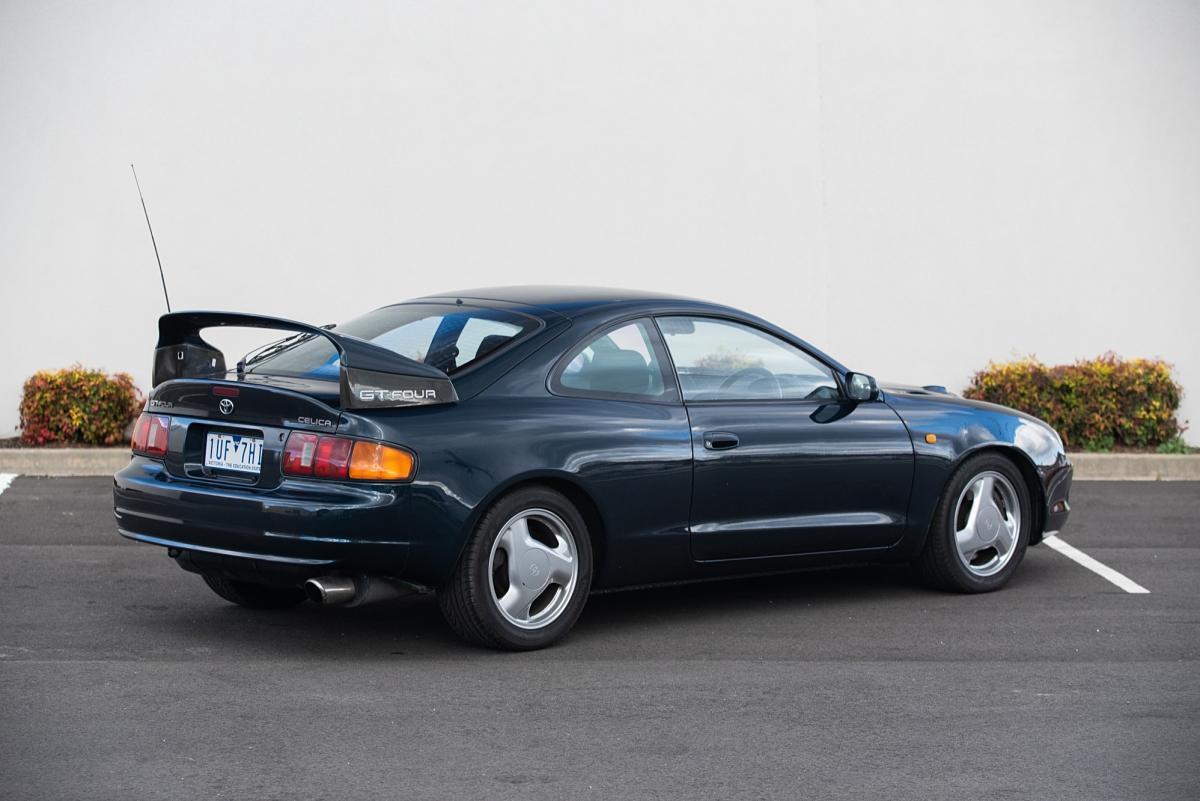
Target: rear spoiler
x,y
371,376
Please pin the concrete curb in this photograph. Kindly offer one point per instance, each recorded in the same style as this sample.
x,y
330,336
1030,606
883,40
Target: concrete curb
x,y
63,461
1088,466
1136,466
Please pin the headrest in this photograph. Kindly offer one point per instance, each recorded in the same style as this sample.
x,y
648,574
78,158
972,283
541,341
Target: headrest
x,y
490,343
618,370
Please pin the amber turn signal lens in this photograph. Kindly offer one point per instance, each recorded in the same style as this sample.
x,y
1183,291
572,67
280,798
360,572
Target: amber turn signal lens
x,y
931,438
373,461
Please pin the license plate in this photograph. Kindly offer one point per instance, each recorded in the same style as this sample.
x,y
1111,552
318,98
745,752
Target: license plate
x,y
233,452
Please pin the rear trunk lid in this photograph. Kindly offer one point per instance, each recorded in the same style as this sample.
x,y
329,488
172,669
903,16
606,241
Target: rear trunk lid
x,y
252,399
232,426
218,428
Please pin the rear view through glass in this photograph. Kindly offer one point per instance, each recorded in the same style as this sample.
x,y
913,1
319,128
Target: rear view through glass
x,y
446,336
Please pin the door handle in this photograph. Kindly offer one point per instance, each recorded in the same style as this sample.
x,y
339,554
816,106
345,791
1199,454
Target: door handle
x,y
720,440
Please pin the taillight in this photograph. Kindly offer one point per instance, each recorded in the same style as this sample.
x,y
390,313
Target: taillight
x,y
299,454
333,457
150,435
307,454
375,461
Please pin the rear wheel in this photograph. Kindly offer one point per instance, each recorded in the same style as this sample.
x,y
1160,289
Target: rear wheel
x,y
525,574
980,527
254,596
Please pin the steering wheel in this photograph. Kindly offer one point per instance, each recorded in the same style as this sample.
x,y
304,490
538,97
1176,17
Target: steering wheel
x,y
758,373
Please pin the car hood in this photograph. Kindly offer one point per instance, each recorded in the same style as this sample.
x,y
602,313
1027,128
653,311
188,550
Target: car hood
x,y
940,395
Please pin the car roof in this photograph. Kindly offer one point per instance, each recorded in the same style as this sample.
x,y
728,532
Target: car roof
x,y
597,304
568,301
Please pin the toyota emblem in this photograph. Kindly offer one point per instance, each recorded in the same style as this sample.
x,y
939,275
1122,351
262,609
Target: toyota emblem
x,y
226,406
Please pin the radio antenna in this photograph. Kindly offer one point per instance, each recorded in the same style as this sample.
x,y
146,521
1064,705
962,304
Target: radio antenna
x,y
137,183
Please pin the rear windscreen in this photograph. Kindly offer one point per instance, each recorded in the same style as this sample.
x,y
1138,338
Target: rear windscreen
x,y
448,337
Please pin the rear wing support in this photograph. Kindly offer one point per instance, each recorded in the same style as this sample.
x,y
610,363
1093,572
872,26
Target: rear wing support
x,y
370,377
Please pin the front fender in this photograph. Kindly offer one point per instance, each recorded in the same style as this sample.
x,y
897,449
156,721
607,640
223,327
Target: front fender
x,y
961,428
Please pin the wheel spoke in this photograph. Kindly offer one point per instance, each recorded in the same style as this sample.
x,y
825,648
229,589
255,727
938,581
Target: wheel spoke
x,y
969,542
1006,536
514,540
562,566
994,507
517,600
984,488
967,537
516,535
977,496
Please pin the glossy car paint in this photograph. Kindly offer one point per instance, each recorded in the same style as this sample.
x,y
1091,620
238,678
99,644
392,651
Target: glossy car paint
x,y
810,482
755,500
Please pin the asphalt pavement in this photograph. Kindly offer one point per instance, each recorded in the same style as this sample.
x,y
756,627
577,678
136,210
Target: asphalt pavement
x,y
123,677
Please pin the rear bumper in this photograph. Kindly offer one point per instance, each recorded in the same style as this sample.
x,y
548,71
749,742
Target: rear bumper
x,y
302,527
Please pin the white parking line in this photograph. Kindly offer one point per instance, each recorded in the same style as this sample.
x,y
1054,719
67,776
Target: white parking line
x,y
1099,568
5,480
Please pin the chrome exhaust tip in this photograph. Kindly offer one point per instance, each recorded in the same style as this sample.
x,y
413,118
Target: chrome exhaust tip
x,y
357,590
331,589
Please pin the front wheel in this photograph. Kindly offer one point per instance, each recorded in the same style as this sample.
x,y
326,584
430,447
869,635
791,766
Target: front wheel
x,y
980,527
525,574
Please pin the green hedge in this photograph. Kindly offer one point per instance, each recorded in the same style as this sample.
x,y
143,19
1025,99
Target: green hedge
x,y
78,406
1094,404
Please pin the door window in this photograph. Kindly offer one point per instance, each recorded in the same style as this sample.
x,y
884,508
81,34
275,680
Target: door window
x,y
722,360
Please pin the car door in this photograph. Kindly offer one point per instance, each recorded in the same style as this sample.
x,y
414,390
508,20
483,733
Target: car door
x,y
626,437
783,462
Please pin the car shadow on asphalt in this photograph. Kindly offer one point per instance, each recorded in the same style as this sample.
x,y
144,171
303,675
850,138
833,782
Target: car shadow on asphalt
x,y
413,627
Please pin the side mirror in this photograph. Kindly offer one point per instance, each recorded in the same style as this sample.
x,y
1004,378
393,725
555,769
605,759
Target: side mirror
x,y
861,387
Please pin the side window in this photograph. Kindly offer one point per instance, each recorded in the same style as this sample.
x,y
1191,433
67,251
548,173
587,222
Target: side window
x,y
480,337
722,360
623,362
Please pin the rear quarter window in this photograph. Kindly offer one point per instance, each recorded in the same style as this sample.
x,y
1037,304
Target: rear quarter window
x,y
626,362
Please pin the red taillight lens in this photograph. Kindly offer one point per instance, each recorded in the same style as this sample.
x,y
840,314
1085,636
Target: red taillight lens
x,y
341,457
156,438
150,435
299,454
333,457
138,443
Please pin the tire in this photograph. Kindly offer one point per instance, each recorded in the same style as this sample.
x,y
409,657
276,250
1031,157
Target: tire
x,y
254,596
946,562
541,527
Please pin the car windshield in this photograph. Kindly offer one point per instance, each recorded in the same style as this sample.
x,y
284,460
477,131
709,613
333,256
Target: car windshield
x,y
446,336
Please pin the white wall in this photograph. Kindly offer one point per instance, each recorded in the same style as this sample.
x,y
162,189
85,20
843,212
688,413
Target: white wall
x,y
916,189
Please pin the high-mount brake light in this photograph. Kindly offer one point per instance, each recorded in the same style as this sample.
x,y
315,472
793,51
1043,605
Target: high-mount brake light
x,y
307,454
150,435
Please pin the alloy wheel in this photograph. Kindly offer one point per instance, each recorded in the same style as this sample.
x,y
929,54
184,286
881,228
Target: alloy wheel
x,y
533,568
987,523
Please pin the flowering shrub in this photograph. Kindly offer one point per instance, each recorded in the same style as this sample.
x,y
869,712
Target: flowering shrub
x,y
1094,404
77,405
